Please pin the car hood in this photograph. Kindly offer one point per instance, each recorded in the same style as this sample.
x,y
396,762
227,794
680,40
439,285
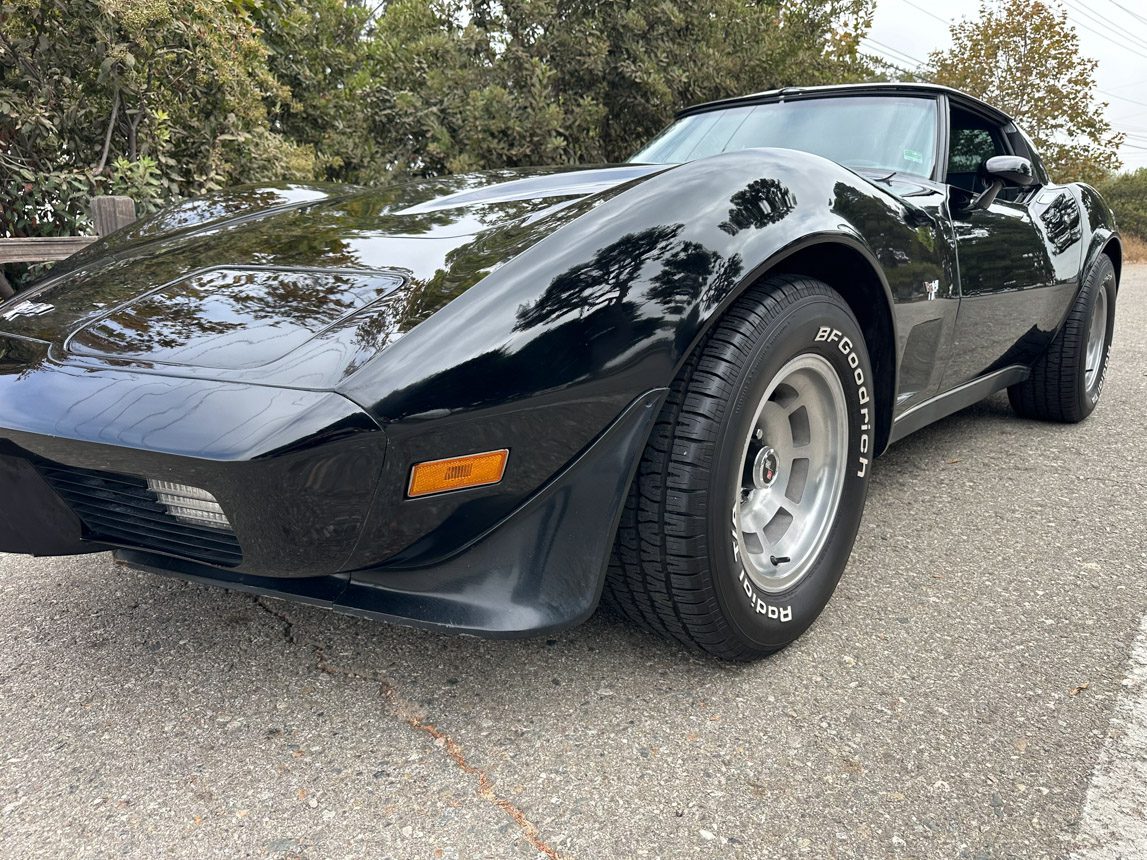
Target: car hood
x,y
295,285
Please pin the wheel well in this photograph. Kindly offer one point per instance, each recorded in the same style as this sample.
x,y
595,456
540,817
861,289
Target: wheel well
x,y
851,274
1114,250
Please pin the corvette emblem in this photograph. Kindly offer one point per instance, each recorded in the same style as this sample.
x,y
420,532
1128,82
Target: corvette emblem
x,y
765,468
27,309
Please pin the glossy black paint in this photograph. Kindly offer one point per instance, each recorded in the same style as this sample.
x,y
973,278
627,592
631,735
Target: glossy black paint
x,y
295,350
493,587
40,524
296,470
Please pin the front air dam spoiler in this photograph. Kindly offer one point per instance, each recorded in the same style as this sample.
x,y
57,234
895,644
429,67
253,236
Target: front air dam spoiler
x,y
540,570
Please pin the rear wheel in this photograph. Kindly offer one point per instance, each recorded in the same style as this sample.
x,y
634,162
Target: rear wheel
x,y
750,492
1066,382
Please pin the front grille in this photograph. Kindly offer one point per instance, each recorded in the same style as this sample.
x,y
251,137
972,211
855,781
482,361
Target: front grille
x,y
121,510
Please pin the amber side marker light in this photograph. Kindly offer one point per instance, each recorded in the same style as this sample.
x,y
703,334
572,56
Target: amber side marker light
x,y
457,473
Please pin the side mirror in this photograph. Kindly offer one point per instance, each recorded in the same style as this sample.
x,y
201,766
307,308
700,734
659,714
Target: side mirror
x,y
1010,169
1004,170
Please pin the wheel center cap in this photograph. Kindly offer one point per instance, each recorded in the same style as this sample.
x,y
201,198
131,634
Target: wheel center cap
x,y
764,468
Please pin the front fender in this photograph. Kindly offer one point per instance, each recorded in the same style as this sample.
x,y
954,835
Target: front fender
x,y
549,348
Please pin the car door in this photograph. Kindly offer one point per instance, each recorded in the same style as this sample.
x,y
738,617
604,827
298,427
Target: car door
x,y
1012,291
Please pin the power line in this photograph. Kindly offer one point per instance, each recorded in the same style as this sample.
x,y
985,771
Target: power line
x,y
1121,98
891,50
1109,36
1108,27
897,66
893,62
929,13
1134,15
898,54
1118,29
1137,83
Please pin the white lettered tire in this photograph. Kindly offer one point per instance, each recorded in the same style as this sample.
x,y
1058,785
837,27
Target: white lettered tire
x,y
748,498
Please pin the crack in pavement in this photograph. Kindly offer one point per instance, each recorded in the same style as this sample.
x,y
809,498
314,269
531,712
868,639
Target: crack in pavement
x,y
409,715
485,785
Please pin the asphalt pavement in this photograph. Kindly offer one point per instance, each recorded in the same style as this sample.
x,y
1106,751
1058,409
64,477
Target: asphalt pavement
x,y
967,694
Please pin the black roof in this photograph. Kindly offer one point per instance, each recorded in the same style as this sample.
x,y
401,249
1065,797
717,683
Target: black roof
x,y
880,88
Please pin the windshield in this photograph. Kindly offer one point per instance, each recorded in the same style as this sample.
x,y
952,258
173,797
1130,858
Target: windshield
x,y
887,133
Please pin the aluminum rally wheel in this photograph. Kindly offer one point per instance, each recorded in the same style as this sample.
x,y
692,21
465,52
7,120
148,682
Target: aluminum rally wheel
x,y
792,473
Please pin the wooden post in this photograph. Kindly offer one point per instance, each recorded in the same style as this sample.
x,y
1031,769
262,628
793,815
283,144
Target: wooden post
x,y
112,213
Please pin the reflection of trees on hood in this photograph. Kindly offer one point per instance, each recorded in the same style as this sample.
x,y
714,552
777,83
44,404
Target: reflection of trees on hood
x,y
762,202
374,329
216,303
21,357
688,272
215,207
605,280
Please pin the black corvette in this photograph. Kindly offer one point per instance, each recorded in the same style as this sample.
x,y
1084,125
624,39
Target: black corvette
x,y
482,402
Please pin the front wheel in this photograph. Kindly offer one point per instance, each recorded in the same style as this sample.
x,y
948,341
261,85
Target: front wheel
x,y
749,495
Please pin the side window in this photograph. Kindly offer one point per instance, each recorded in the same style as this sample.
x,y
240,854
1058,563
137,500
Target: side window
x,y
971,147
971,142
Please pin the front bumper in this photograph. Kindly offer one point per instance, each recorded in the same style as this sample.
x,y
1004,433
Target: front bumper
x,y
295,471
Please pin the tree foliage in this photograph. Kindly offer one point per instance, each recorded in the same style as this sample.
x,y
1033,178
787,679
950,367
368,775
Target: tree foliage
x,y
169,98
1126,193
1023,57
462,85
317,51
165,97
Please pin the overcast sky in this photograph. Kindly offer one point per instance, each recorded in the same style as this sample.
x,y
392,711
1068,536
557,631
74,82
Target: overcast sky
x,y
1111,31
